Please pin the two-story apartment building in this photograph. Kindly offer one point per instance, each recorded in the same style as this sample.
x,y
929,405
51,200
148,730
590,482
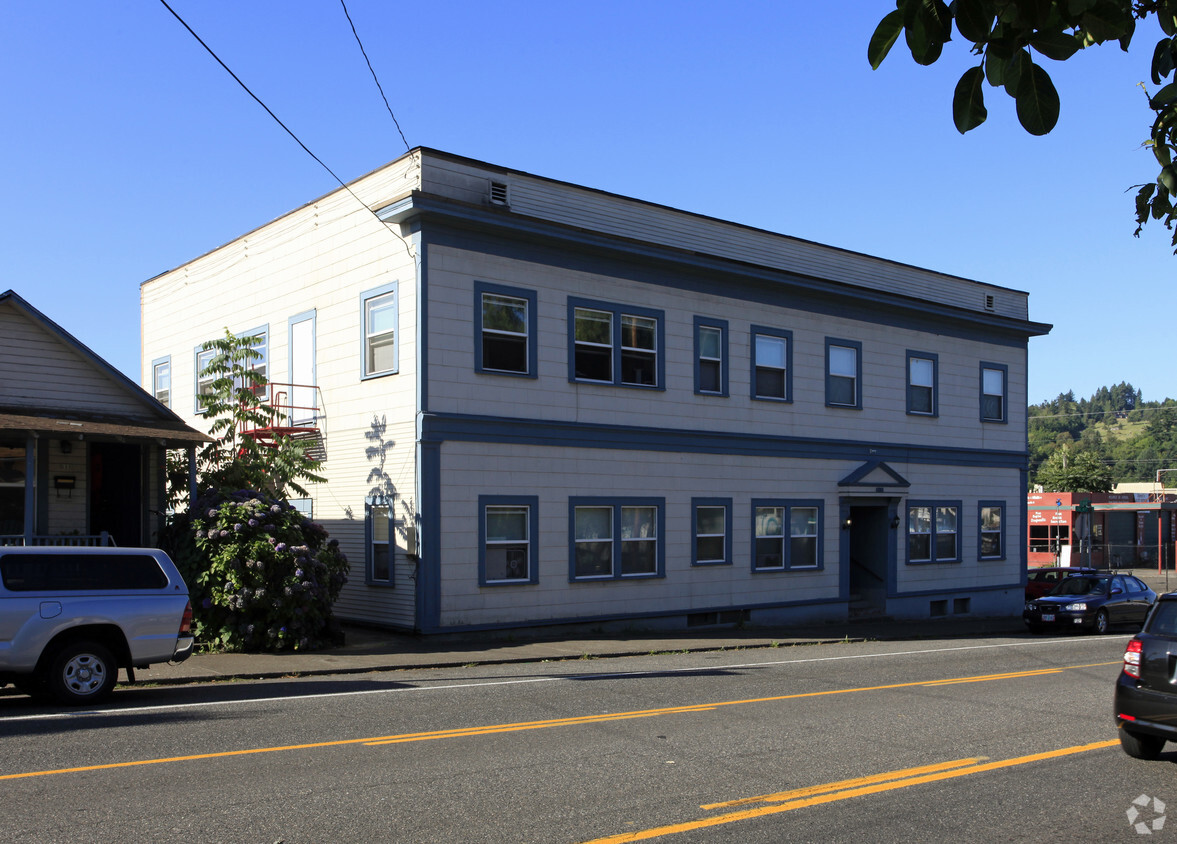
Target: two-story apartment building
x,y
539,403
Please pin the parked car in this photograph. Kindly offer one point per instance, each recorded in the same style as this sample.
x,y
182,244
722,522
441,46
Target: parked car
x,y
70,618
1042,580
1090,602
1146,698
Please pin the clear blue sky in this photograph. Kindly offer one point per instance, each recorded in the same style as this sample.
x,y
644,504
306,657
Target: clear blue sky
x,y
127,150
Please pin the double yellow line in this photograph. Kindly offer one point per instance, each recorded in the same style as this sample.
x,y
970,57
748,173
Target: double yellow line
x,y
787,801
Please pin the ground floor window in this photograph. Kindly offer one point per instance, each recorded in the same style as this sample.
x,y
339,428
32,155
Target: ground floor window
x,y
786,535
507,540
712,520
991,545
378,528
616,538
933,532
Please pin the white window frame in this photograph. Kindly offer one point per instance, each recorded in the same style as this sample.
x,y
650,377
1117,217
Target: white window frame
x,y
385,296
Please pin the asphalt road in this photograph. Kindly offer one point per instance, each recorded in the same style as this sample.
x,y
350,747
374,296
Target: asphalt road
x,y
966,740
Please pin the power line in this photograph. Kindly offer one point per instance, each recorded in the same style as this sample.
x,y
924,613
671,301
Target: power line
x,y
287,129
379,87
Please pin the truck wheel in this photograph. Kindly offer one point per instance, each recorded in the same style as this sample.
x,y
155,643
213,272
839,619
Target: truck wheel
x,y
82,673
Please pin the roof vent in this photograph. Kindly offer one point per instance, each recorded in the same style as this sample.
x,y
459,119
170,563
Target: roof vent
x,y
989,303
499,195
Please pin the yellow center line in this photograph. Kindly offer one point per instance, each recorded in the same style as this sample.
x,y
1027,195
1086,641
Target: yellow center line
x,y
891,782
466,732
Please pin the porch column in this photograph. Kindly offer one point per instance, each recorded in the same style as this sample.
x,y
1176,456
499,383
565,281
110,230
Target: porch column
x,y
30,487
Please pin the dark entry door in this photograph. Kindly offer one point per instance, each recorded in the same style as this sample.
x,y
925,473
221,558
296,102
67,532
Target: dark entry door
x,y
869,541
116,492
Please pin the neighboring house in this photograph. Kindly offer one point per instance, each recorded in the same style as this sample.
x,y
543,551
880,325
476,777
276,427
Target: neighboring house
x,y
82,447
540,403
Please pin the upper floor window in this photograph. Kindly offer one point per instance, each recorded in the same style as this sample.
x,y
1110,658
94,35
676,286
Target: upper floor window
x,y
933,533
771,349
991,544
843,373
786,535
204,381
710,356
505,326
380,309
615,344
993,392
260,362
615,538
161,381
921,384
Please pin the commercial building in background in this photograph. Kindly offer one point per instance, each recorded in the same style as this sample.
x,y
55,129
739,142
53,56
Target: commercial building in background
x,y
1122,529
538,403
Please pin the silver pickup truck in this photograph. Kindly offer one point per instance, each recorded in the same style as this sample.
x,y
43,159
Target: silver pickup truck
x,y
71,617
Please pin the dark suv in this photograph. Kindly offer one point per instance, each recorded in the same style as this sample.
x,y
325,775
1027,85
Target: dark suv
x,y
1146,690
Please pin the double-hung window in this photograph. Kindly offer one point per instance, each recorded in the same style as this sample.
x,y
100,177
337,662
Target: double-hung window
x,y
710,357
994,390
922,372
259,361
711,520
615,344
379,309
771,375
991,524
933,532
204,381
616,538
843,373
786,535
378,544
161,380
505,326
508,538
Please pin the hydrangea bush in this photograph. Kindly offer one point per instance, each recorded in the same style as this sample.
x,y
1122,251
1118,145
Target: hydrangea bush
x,y
268,576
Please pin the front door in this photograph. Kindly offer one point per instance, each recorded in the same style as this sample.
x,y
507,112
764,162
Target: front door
x,y
869,537
116,492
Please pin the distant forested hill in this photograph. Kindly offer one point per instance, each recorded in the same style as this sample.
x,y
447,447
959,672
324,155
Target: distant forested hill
x,y
1115,429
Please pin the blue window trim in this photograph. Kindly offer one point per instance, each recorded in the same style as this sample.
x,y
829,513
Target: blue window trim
x,y
616,503
726,504
481,287
849,344
171,380
393,288
617,311
531,502
785,335
1004,420
721,324
935,359
934,560
368,556
197,353
981,505
786,551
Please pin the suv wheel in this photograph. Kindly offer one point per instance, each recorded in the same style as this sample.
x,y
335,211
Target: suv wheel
x,y
1140,747
82,673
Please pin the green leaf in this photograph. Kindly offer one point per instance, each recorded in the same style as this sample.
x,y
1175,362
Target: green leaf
x,y
1163,153
1107,21
1162,60
974,19
1142,202
925,47
968,102
1055,45
1018,66
1163,97
995,70
1168,180
1037,101
886,34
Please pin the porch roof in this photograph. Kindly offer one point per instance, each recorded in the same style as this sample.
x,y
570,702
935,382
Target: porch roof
x,y
170,434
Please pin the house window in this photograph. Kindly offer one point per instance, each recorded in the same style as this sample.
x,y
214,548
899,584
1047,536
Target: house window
x,y
710,357
933,533
921,384
505,325
204,381
712,527
786,535
507,540
305,506
161,381
615,344
771,349
991,544
993,392
616,538
260,361
379,314
843,373
378,528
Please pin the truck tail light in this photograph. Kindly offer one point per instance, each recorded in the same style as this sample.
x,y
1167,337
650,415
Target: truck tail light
x,y
186,621
1132,655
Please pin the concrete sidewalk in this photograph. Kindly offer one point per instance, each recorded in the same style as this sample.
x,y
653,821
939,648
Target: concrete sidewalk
x,y
367,649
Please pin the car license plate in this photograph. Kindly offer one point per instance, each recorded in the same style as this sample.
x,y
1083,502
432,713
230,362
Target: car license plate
x,y
1048,616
